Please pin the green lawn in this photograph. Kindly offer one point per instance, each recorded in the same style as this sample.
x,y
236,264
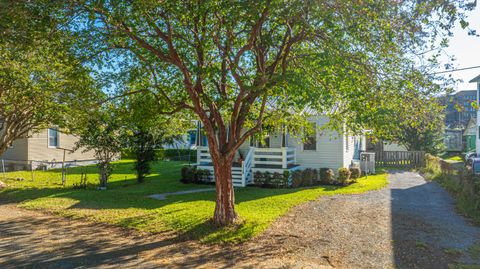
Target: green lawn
x,y
125,202
455,158
452,157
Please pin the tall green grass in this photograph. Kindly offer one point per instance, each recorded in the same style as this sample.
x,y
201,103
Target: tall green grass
x,y
459,181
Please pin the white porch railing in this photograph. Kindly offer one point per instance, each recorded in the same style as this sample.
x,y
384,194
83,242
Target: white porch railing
x,y
276,157
268,158
203,155
247,176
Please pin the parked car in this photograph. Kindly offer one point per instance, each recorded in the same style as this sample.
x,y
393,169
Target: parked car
x,y
471,154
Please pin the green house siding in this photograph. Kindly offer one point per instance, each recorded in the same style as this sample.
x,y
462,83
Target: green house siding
x,y
470,139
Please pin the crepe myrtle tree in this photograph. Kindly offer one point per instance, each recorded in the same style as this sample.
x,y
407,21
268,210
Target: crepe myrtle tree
x,y
238,65
41,82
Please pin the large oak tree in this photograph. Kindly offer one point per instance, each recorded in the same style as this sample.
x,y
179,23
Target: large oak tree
x,y
241,64
41,82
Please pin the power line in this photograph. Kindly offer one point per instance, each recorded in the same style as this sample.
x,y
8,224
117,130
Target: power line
x,y
455,70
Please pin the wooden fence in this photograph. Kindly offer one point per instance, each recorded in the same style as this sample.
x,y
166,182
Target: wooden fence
x,y
400,158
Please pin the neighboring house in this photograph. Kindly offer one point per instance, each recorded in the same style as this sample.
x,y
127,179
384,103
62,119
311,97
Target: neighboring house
x,y
45,148
185,141
459,108
469,135
282,151
454,139
458,113
392,146
477,132
384,146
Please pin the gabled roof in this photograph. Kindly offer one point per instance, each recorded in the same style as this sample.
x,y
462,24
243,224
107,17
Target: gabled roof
x,y
471,127
475,79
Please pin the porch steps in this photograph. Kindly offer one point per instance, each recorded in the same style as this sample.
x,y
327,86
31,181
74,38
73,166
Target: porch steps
x,y
236,174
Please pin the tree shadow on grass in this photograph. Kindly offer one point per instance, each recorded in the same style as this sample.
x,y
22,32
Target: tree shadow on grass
x,y
128,194
46,242
129,206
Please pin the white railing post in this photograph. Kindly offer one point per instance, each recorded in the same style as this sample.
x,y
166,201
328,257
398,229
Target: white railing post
x,y
284,157
244,173
253,155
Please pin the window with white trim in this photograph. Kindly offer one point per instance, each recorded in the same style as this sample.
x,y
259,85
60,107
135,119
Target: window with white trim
x,y
53,138
311,139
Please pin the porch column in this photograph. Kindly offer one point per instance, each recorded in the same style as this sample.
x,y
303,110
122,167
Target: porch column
x,y
284,136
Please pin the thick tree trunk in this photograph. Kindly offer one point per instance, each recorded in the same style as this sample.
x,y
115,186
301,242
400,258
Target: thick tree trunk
x,y
225,202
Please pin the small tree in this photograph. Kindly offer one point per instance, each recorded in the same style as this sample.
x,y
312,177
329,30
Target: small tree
x,y
144,130
419,125
144,149
101,133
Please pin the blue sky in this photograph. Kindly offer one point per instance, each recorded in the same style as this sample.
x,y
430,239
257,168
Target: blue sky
x,y
466,50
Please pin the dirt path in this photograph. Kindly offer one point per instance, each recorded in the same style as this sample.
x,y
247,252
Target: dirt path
x,y
410,224
33,240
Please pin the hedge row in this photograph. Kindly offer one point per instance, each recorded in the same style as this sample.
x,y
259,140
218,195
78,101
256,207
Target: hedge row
x,y
271,180
191,174
306,178
166,154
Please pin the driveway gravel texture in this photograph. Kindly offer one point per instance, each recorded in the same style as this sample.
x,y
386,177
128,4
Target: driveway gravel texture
x,y
409,224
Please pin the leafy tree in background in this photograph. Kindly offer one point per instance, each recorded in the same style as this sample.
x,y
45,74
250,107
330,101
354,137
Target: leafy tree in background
x,y
100,132
417,121
41,82
241,65
424,132
144,130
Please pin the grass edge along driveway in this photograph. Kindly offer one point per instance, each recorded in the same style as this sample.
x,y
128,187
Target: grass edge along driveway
x,y
126,204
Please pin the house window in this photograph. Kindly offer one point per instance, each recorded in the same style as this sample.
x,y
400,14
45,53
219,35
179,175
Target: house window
x,y
52,138
265,143
192,137
311,140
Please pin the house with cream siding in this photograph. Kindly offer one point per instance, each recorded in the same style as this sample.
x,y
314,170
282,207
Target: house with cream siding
x,y
282,151
46,146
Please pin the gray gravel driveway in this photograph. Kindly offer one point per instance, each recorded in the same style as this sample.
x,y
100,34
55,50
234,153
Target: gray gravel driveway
x,y
410,224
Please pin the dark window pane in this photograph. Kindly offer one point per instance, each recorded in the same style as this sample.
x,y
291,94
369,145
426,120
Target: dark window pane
x,y
52,138
310,143
311,140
